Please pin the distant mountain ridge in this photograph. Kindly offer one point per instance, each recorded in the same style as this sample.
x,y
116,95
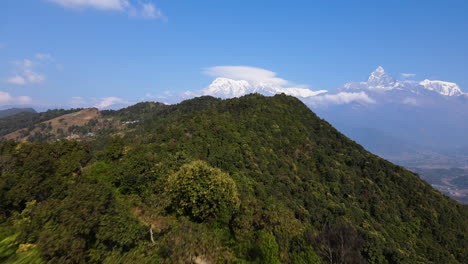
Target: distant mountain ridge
x,y
72,125
417,112
429,115
14,111
417,124
28,120
412,123
379,80
229,88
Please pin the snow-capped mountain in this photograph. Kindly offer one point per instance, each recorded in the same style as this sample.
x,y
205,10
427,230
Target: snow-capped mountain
x,y
409,122
441,87
229,88
380,81
380,88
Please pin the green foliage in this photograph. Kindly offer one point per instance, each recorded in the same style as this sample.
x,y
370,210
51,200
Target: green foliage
x,y
190,242
135,112
68,231
340,244
33,171
7,247
13,252
14,111
202,192
29,119
302,252
276,184
267,248
306,256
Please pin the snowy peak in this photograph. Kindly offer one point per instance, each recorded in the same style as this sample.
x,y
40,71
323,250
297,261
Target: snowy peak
x,y
380,79
380,87
441,87
229,88
380,69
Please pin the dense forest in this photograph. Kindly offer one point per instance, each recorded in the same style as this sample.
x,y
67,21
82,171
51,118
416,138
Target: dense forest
x,y
247,180
14,111
28,119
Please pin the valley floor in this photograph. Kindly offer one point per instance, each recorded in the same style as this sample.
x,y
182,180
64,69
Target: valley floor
x,y
453,182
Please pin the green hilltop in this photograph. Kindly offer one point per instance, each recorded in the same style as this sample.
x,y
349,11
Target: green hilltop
x,y
247,180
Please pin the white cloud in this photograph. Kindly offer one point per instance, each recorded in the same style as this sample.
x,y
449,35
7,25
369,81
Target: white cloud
x,y
410,101
408,75
150,11
109,101
33,77
78,101
8,99
247,73
43,56
135,8
25,73
97,4
17,79
165,94
26,63
339,98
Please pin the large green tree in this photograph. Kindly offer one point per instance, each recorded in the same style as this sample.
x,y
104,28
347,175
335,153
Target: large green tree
x,y
202,192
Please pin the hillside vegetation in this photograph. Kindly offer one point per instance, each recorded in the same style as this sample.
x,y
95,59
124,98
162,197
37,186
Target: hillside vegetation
x,y
71,126
28,120
249,180
14,111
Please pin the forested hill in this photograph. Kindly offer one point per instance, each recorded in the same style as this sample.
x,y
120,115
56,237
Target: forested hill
x,y
249,180
14,111
28,119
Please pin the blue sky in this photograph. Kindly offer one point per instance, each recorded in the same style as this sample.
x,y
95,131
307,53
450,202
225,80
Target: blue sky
x,y
80,52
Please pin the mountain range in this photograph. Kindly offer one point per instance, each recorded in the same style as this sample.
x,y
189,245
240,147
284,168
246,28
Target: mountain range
x,y
14,111
417,124
408,122
229,88
378,81
422,121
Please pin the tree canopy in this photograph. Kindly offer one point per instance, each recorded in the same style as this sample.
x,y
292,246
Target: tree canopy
x,y
247,180
202,192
